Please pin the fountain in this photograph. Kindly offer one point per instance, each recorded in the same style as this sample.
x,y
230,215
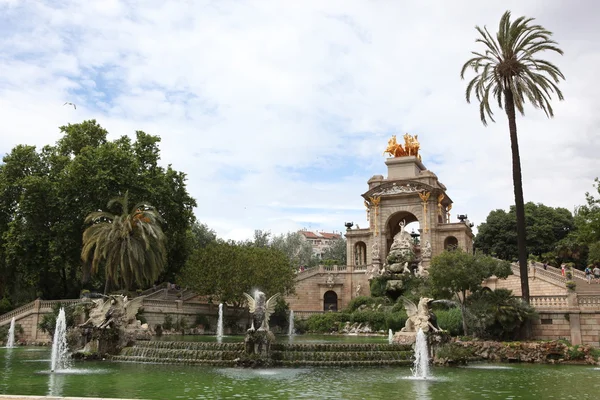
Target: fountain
x,y
60,351
291,327
220,324
421,365
390,336
10,341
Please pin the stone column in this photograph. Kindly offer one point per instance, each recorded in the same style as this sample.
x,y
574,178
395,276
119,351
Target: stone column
x,y
575,325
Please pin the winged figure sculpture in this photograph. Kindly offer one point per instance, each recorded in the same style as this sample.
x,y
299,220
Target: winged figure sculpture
x,y
261,309
419,316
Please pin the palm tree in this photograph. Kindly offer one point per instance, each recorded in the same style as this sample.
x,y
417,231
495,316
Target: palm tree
x,y
509,72
130,245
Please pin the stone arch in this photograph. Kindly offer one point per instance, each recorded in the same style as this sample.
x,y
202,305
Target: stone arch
x,y
360,253
450,243
392,224
330,301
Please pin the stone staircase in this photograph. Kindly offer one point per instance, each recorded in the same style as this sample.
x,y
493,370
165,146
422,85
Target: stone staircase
x,y
190,353
554,275
282,354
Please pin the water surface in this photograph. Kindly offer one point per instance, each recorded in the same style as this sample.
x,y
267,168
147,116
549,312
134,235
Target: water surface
x,y
25,372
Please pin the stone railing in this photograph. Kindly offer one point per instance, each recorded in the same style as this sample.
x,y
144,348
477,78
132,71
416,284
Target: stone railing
x,y
556,271
43,306
588,301
549,302
305,314
549,275
324,269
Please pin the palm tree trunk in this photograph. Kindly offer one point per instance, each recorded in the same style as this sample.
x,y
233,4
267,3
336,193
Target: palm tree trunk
x,y
106,287
519,203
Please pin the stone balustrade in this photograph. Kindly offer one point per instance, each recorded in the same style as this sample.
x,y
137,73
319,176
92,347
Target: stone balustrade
x,y
549,302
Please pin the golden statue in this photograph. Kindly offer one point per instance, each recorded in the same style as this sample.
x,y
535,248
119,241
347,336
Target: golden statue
x,y
424,196
375,201
411,147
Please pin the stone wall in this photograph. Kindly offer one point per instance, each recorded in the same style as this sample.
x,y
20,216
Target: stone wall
x,y
311,286
30,315
537,286
578,327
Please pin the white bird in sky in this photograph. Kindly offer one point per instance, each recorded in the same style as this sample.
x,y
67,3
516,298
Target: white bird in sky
x,y
74,106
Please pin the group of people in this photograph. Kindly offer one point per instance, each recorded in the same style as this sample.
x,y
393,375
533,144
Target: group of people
x,y
589,271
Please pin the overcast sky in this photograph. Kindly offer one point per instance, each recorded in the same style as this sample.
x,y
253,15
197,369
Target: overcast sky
x,y
279,111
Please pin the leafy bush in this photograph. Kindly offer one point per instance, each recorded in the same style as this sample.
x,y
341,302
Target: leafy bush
x,y
450,320
4,331
328,322
281,315
48,322
375,319
575,353
168,323
300,325
571,285
395,320
378,286
497,314
356,302
5,306
141,317
202,319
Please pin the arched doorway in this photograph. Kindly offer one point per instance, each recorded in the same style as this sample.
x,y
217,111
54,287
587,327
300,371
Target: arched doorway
x,y
393,225
450,243
360,253
330,301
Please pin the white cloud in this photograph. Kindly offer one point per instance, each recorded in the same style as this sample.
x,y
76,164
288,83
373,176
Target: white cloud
x,y
259,89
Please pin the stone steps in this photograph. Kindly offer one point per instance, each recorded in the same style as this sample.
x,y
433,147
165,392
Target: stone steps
x,y
282,354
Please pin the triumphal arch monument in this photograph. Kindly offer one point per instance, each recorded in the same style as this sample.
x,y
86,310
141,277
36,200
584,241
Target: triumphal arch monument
x,y
409,193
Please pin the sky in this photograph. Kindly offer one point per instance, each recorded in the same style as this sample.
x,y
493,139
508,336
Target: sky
x,y
279,111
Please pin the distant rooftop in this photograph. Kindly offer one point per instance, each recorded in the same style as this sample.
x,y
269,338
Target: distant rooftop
x,y
320,235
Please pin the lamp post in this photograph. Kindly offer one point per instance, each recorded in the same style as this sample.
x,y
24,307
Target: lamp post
x,y
415,236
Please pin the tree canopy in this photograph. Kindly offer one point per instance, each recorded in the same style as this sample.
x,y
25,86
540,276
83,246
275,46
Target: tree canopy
x,y
457,273
225,270
509,71
46,194
131,245
545,227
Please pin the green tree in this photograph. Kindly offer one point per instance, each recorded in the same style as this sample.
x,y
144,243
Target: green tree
x,y
225,270
545,227
456,273
131,245
509,72
200,235
497,314
336,251
587,217
298,250
45,195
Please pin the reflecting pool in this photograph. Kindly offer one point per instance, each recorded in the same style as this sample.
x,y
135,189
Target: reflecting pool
x,y
26,371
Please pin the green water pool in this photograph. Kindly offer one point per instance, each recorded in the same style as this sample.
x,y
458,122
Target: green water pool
x,y
25,371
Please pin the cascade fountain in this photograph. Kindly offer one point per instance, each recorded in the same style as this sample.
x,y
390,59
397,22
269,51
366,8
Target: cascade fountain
x,y
220,324
10,341
390,336
60,351
421,366
291,327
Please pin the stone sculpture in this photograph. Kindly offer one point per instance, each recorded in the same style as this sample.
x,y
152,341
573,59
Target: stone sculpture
x,y
113,311
419,317
375,250
426,252
111,325
261,309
